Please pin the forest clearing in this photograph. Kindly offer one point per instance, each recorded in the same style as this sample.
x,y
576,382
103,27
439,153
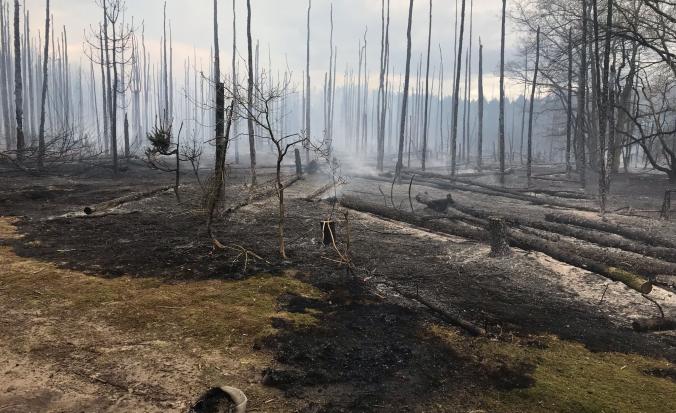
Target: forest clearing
x,y
182,233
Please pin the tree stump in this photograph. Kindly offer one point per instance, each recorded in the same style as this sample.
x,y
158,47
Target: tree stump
x,y
497,231
329,232
666,206
299,163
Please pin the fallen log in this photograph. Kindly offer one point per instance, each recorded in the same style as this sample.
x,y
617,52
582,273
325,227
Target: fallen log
x,y
631,233
559,194
513,191
263,194
319,192
666,280
516,239
442,226
599,238
125,200
654,324
481,189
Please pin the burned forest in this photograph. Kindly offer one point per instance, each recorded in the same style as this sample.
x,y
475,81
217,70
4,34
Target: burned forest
x,y
324,206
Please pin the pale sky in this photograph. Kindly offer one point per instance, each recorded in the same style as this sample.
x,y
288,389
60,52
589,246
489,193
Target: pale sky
x,y
280,25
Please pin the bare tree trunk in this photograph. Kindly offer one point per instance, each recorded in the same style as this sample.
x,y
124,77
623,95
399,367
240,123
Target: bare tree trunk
x,y
308,120
427,92
126,136
581,162
219,101
43,100
456,93
4,79
165,74
113,99
480,140
569,113
604,109
250,92
18,83
529,167
501,131
402,129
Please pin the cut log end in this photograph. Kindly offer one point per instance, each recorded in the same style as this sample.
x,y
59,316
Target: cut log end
x,y
633,281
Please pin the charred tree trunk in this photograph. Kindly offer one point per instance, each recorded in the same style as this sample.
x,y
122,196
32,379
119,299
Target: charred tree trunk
x,y
569,111
43,99
456,94
480,140
250,95
308,120
501,131
404,113
427,92
18,83
529,167
581,159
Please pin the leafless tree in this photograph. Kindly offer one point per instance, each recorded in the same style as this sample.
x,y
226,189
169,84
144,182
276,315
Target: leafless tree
x,y
260,111
404,113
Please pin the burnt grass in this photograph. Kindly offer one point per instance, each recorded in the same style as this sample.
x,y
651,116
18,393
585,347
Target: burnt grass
x,y
376,351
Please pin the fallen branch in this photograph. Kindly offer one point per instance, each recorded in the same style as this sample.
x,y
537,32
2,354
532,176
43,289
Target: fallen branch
x,y
125,200
457,321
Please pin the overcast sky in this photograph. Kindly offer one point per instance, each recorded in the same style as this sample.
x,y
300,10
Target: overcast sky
x,y
280,25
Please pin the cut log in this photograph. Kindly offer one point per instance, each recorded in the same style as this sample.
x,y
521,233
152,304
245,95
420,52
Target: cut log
x,y
564,252
559,194
666,280
481,189
125,200
514,191
631,233
593,236
654,324
442,226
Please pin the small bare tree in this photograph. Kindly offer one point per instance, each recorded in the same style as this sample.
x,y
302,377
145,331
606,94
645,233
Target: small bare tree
x,y
259,108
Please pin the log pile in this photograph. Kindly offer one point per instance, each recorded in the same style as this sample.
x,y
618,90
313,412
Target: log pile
x,y
566,254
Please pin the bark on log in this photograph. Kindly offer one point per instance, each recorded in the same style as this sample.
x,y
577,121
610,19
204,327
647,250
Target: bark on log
x,y
514,191
481,189
262,194
523,241
654,324
445,227
125,200
498,235
593,236
631,233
